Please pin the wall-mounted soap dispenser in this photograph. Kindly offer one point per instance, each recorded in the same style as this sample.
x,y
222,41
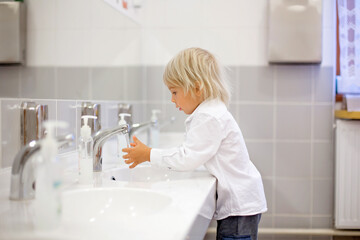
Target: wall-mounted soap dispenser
x,y
12,32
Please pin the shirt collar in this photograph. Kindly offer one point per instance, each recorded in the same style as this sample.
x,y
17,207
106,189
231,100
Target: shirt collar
x,y
201,106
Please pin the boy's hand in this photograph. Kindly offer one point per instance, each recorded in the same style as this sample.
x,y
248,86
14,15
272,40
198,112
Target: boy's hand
x,y
138,153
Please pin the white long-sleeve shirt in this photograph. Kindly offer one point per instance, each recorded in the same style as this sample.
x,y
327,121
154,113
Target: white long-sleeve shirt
x,y
214,139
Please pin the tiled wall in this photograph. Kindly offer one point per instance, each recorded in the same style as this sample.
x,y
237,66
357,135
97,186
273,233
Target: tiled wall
x,y
63,90
284,111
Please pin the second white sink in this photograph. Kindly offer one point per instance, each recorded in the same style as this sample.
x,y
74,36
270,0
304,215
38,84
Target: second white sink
x,y
111,205
144,174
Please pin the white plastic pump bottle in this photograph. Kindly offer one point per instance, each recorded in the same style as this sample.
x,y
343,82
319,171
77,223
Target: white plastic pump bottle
x,y
86,152
49,180
122,139
154,134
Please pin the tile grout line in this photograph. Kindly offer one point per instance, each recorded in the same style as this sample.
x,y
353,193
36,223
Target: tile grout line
x,y
0,135
274,74
312,145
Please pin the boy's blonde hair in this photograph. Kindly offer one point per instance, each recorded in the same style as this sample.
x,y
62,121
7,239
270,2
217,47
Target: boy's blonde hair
x,y
197,65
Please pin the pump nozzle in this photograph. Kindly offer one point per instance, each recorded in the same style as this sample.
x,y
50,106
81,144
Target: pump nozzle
x,y
49,144
122,118
85,130
154,117
50,127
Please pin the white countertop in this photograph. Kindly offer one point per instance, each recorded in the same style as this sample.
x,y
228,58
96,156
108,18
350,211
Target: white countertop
x,y
186,217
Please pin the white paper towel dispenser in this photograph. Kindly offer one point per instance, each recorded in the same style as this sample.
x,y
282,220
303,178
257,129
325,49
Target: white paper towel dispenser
x,y
12,32
295,28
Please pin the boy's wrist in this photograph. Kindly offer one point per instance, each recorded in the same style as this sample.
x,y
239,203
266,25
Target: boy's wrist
x,y
149,154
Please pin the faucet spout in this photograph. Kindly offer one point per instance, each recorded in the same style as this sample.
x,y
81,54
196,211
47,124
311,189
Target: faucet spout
x,y
138,127
100,138
23,169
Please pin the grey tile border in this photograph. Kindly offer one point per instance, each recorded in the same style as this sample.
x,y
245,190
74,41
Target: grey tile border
x,y
10,81
38,82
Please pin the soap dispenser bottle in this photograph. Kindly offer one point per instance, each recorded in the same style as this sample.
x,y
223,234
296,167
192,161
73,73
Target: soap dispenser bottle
x,y
86,143
122,139
48,182
154,134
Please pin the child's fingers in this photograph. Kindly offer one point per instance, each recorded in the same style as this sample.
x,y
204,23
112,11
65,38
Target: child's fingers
x,y
133,165
129,161
136,140
127,150
133,144
126,156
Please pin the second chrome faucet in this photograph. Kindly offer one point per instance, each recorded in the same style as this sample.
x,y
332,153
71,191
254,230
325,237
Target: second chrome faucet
x,y
100,138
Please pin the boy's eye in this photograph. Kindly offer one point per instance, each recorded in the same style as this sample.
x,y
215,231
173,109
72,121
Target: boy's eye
x,y
174,93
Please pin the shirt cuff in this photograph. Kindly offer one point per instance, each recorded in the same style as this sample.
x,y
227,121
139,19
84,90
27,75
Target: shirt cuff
x,y
155,157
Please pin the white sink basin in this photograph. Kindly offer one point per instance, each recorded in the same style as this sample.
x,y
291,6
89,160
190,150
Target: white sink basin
x,y
111,204
144,174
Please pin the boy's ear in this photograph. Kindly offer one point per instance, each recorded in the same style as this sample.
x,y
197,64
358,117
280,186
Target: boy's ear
x,y
198,90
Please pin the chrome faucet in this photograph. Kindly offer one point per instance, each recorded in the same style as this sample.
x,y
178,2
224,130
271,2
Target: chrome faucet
x,y
138,127
23,169
100,138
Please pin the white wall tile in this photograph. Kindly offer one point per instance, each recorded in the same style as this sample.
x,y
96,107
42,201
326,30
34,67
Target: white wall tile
x,y
162,44
41,48
73,14
235,13
73,47
237,46
113,47
105,16
41,15
148,18
185,13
